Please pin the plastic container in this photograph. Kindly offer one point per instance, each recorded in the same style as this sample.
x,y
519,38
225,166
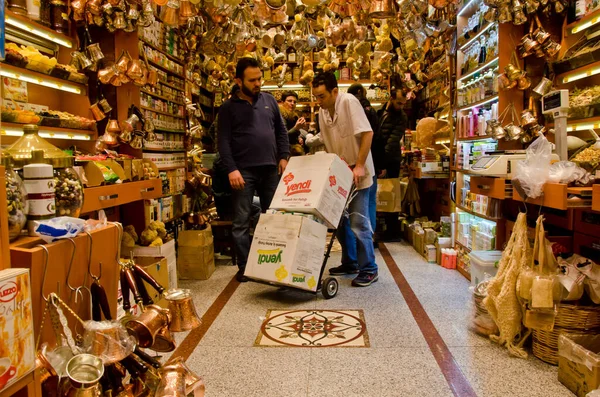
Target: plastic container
x,y
16,196
482,263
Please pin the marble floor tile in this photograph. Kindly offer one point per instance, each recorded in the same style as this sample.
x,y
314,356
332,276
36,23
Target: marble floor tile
x,y
376,372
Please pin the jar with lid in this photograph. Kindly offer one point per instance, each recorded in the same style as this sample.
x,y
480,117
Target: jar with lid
x,y
39,183
16,198
69,189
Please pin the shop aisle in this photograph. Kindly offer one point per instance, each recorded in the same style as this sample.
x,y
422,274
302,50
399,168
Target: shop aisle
x,y
399,361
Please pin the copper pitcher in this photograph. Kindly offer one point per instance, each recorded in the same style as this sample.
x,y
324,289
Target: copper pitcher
x,y
84,372
182,309
172,382
382,9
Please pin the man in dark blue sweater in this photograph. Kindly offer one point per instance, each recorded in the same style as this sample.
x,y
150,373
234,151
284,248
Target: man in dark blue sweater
x,y
254,148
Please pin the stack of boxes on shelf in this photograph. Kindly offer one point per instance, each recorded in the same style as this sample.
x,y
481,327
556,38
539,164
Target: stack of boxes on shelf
x,y
469,152
289,240
475,233
173,181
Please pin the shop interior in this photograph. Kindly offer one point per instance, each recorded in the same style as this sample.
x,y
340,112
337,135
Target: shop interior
x,y
117,256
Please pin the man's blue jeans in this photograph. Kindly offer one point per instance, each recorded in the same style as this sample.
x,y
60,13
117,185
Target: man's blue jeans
x,y
262,180
356,232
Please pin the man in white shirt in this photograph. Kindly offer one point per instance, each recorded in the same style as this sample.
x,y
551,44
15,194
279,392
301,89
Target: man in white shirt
x,y
346,131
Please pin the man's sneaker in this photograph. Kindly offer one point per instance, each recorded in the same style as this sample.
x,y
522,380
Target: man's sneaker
x,y
341,270
240,276
365,279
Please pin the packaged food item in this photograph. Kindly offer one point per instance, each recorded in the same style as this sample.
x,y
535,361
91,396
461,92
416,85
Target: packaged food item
x,y
109,175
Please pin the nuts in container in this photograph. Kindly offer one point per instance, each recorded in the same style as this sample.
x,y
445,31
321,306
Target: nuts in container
x,y
68,191
16,197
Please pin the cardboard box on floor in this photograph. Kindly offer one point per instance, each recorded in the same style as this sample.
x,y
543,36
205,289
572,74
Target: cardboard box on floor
x,y
287,250
579,362
318,184
388,195
196,255
167,250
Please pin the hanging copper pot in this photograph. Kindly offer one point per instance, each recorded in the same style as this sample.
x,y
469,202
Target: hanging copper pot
x,y
172,381
543,87
123,62
105,75
182,309
135,70
186,10
113,126
163,342
170,13
382,9
138,140
147,325
97,113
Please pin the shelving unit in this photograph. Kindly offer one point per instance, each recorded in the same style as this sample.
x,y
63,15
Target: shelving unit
x,y
164,98
44,80
161,112
596,198
477,214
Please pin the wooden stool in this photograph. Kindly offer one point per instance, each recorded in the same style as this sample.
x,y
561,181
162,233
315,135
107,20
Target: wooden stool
x,y
223,237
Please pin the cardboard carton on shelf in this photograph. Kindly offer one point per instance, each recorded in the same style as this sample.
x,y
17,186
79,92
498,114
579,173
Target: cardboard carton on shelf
x,y
196,255
287,250
17,349
167,251
318,184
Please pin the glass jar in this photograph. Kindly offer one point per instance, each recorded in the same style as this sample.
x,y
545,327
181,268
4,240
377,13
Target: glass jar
x,y
68,192
16,199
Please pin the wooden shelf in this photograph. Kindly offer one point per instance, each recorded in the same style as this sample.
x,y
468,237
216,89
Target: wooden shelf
x,y
48,129
171,85
463,246
164,150
596,198
473,39
165,69
480,68
97,198
489,218
556,196
171,194
169,131
164,98
162,51
465,273
161,112
484,101
38,30
583,20
171,168
474,138
29,381
42,79
560,77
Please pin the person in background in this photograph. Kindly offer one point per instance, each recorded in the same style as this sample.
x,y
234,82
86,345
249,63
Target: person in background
x,y
393,123
254,147
359,91
313,140
293,123
346,131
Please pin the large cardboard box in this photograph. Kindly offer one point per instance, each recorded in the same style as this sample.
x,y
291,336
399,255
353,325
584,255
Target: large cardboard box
x,y
17,349
196,255
167,250
287,250
388,195
579,362
318,184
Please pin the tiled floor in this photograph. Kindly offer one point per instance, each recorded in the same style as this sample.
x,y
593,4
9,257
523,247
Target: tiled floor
x,y
398,362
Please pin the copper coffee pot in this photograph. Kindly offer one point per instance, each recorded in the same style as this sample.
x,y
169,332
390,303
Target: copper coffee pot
x,y
182,309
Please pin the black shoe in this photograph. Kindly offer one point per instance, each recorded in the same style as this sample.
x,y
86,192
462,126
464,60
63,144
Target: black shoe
x,y
240,276
375,244
365,279
341,270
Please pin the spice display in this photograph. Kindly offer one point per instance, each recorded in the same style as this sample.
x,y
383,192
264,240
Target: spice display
x,y
68,192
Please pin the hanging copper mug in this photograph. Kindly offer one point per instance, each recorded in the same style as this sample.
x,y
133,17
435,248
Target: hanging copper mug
x,y
135,70
107,340
113,126
172,382
514,131
498,132
119,21
104,105
512,72
106,75
523,82
182,309
505,83
164,341
527,119
543,87
82,60
130,123
123,62
504,14
97,113
551,48
95,52
147,325
138,140
382,9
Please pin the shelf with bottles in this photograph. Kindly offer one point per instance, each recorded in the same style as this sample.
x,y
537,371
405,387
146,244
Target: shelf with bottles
x,y
173,84
475,122
468,152
168,108
165,96
163,39
166,161
165,122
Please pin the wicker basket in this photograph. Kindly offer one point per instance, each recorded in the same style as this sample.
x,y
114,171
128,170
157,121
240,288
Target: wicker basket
x,y
545,343
577,317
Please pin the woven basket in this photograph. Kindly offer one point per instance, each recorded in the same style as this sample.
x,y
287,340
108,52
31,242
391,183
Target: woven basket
x,y
545,343
577,317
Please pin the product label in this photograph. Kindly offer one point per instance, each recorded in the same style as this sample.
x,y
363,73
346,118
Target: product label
x,y
269,256
40,193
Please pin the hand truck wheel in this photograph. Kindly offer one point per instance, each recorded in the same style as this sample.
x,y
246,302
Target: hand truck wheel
x,y
330,287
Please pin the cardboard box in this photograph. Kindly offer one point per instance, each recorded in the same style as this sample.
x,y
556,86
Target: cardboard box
x,y
441,242
287,250
430,236
318,184
388,195
430,253
418,241
579,362
196,255
167,251
17,348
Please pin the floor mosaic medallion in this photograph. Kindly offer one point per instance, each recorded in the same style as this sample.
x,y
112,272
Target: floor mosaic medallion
x,y
313,328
